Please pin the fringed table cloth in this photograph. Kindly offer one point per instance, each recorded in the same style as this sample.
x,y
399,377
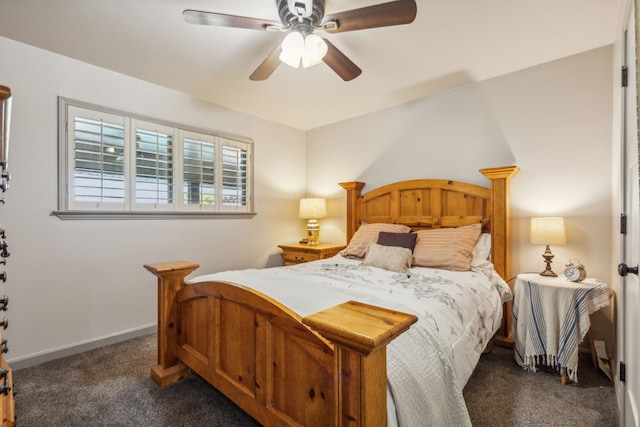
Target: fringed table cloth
x,y
551,318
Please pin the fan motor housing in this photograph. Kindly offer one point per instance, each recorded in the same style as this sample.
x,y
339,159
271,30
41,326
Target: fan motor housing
x,y
290,18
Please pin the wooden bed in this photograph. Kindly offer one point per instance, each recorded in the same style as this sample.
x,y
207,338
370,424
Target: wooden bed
x,y
328,368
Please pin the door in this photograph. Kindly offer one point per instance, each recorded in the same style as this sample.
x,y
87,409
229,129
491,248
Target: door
x,y
631,240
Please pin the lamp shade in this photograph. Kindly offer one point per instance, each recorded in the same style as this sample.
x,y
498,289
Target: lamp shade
x,y
547,231
312,208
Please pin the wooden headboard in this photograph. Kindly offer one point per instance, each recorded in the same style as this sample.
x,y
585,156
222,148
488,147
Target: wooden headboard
x,y
435,203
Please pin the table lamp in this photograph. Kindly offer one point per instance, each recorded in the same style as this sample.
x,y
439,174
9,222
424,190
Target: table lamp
x,y
547,231
312,209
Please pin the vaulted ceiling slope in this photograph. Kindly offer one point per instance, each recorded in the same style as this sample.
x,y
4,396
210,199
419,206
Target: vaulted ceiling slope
x,y
450,43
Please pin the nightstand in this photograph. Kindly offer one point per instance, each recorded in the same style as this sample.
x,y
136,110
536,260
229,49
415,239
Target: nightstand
x,y
551,318
296,253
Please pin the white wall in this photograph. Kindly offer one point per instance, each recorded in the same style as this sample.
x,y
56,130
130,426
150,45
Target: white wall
x,y
554,121
76,281
72,282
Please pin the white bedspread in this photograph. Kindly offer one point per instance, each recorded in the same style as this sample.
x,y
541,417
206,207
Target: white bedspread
x,y
428,365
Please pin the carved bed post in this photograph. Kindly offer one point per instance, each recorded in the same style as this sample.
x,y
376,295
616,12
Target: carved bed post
x,y
501,235
361,333
354,189
171,277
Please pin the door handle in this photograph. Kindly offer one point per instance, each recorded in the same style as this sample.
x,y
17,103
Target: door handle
x,y
623,269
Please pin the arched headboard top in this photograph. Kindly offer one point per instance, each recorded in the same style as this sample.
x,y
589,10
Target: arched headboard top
x,y
426,203
435,203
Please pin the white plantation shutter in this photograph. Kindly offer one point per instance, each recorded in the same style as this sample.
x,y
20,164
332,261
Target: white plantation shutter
x,y
154,166
97,159
198,176
113,162
235,188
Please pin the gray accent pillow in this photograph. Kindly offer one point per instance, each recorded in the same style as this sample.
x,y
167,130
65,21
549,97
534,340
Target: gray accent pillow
x,y
392,258
403,240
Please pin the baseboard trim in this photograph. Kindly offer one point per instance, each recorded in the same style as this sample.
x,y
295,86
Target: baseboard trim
x,y
57,353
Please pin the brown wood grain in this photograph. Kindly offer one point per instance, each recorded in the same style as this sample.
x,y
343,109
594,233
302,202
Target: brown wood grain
x,y
328,369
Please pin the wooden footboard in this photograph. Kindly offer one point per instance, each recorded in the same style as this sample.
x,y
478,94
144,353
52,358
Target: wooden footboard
x,y
326,369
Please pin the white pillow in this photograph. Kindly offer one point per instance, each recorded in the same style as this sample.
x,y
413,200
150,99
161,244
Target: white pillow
x,y
481,251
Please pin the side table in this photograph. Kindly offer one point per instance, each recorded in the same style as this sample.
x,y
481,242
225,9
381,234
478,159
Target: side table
x,y
296,253
551,318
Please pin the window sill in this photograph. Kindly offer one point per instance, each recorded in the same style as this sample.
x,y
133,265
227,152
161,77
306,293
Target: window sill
x,y
151,215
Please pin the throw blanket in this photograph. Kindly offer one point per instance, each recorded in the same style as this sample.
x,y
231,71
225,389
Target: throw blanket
x,y
429,392
551,318
425,375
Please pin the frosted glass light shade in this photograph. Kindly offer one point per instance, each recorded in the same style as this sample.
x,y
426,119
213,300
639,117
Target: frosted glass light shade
x,y
314,50
292,49
309,49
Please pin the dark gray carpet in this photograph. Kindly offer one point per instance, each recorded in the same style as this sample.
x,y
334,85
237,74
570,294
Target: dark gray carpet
x,y
110,386
500,393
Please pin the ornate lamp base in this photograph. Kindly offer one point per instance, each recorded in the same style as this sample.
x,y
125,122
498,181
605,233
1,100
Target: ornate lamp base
x,y
548,256
313,232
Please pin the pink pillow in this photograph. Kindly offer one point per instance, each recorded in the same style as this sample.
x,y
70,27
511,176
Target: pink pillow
x,y
368,233
446,248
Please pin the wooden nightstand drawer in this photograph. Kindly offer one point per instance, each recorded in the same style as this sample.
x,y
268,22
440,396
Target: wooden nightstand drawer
x,y
296,253
297,257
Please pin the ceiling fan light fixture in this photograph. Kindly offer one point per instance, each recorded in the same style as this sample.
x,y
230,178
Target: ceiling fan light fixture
x,y
292,49
304,17
309,49
314,50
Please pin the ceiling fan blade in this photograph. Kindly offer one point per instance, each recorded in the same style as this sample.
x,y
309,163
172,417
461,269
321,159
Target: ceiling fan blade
x,y
381,15
268,66
338,62
222,20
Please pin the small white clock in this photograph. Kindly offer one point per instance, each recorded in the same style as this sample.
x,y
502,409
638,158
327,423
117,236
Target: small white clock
x,y
575,271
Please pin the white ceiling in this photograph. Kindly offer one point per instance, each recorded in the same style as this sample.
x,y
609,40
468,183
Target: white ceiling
x,y
451,43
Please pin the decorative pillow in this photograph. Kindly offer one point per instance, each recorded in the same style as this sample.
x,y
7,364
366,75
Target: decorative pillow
x,y
403,240
446,248
392,258
481,251
368,233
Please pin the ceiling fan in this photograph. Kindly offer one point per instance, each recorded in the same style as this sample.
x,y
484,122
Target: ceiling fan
x,y
301,18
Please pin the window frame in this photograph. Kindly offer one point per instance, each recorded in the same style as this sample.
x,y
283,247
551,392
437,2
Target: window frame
x,y
68,208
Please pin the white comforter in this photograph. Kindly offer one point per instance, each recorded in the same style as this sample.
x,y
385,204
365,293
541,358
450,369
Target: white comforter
x,y
427,366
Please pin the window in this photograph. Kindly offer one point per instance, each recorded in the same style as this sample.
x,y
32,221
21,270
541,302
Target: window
x,y
116,164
